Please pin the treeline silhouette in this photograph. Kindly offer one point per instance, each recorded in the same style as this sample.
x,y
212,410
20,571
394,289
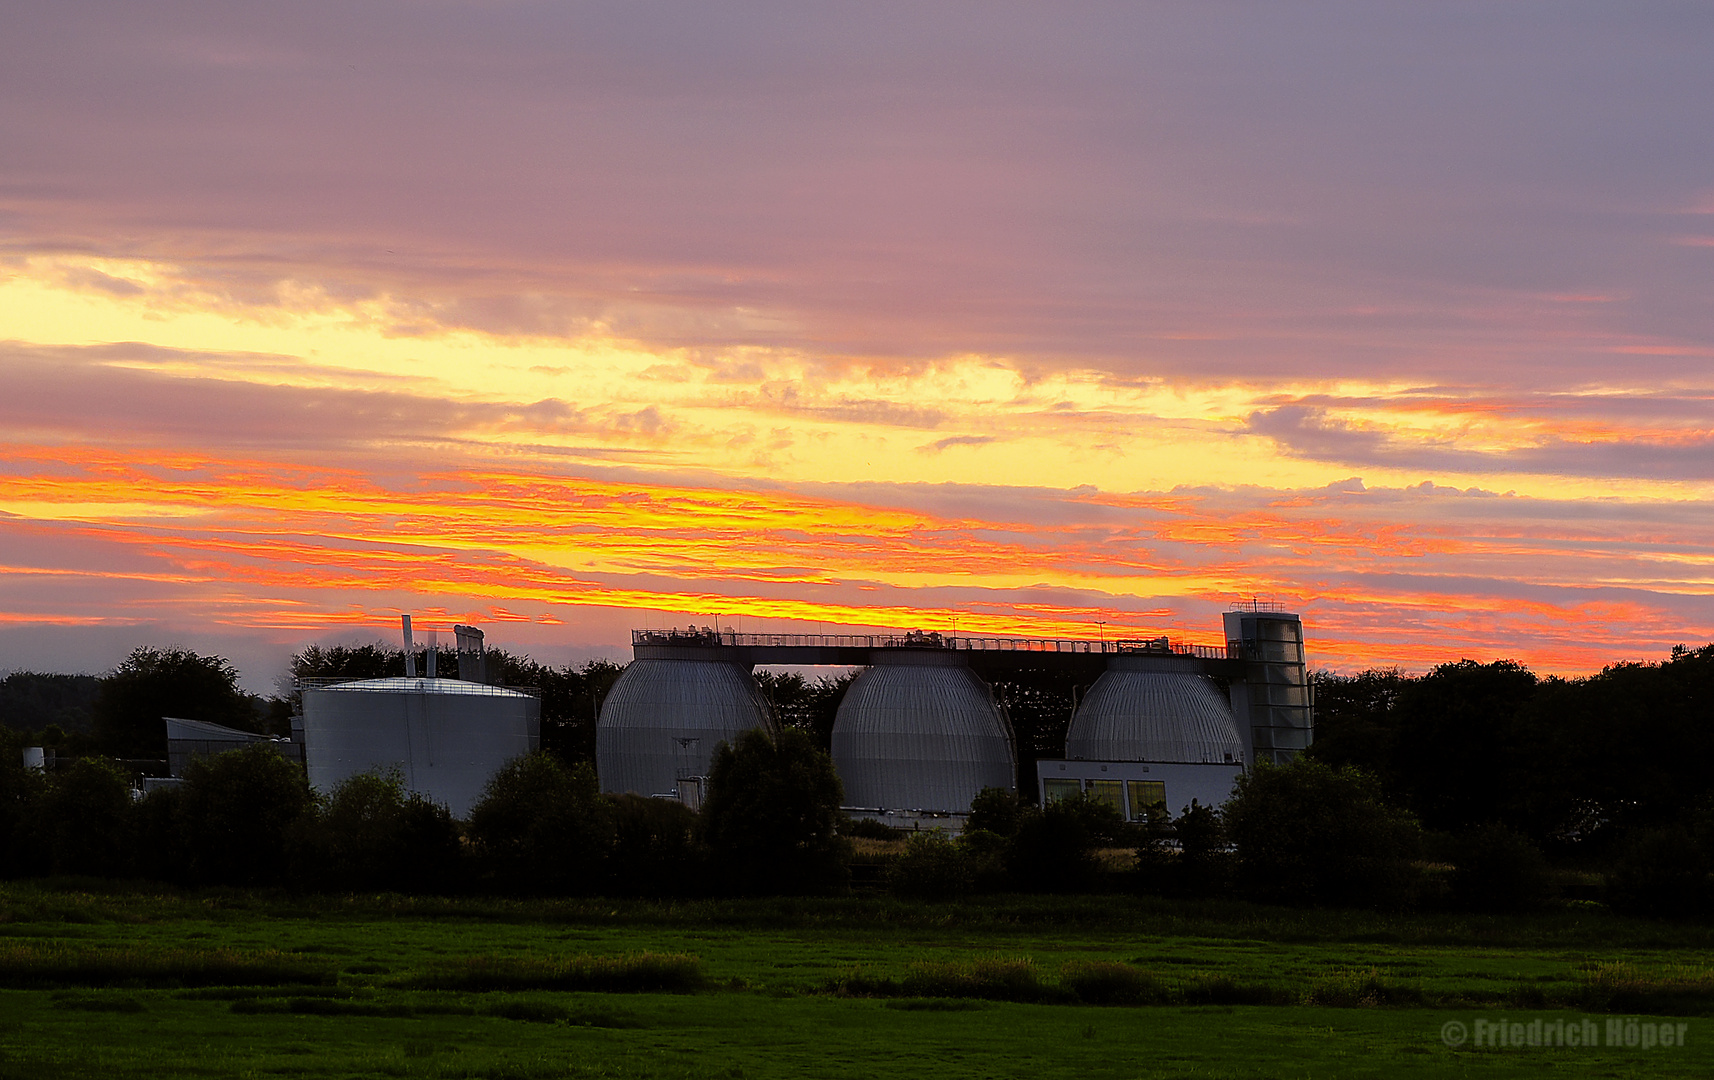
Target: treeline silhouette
x,y
1473,786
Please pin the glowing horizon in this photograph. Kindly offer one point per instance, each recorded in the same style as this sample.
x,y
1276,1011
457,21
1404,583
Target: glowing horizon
x,y
877,325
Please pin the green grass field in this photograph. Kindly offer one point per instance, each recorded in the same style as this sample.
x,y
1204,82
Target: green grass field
x,y
122,982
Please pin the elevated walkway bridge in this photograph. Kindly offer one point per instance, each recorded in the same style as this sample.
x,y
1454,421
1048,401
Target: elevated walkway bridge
x,y
992,658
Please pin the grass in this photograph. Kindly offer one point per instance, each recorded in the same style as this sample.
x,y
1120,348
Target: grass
x,y
142,981
631,973
53,964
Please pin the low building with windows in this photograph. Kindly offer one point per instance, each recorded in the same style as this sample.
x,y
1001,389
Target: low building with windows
x,y
1131,787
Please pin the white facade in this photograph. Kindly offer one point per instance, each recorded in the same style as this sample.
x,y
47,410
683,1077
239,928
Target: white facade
x,y
447,737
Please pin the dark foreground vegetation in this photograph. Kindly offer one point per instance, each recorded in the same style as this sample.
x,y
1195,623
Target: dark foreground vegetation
x,y
1474,787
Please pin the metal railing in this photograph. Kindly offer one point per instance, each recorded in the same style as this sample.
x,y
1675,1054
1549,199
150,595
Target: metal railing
x,y
918,639
320,682
1265,606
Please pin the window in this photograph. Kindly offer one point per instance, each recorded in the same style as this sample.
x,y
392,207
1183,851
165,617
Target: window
x,y
1144,794
1110,792
1058,788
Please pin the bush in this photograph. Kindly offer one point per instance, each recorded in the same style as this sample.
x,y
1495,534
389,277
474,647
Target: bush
x,y
932,868
656,850
21,790
1661,873
632,973
1100,982
1054,847
996,980
995,810
543,829
237,810
370,834
868,829
1184,857
1499,870
771,817
161,852
85,819
34,965
1306,833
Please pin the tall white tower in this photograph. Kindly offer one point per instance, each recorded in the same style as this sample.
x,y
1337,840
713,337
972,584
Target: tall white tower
x,y
1274,698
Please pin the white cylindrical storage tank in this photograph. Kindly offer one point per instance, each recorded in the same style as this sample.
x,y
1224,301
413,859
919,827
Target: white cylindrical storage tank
x,y
445,736
667,713
918,730
1154,709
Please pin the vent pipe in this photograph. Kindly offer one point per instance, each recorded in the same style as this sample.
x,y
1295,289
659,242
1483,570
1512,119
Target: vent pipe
x,y
410,648
472,660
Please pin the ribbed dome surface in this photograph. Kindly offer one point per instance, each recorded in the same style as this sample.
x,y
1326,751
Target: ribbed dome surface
x,y
920,732
664,717
1153,710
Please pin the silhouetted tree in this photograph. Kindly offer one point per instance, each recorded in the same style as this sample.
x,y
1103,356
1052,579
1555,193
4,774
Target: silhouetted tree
x,y
21,793
1307,833
1055,846
371,834
571,699
656,850
1356,720
808,705
154,683
30,701
1465,748
237,810
1498,869
85,819
771,816
995,810
543,828
1038,704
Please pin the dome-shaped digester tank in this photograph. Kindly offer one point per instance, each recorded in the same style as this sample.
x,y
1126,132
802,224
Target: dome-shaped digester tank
x,y
446,737
919,731
1154,709
664,717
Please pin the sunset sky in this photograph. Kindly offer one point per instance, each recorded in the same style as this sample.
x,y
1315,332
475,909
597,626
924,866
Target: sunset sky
x,y
1050,320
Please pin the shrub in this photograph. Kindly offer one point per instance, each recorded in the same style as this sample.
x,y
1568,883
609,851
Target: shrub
x,y
771,817
1100,982
85,819
1184,857
868,829
31,964
932,868
371,834
1351,989
161,852
994,980
1307,833
237,810
631,973
995,810
21,790
656,851
1054,847
543,829
1498,870
1661,873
